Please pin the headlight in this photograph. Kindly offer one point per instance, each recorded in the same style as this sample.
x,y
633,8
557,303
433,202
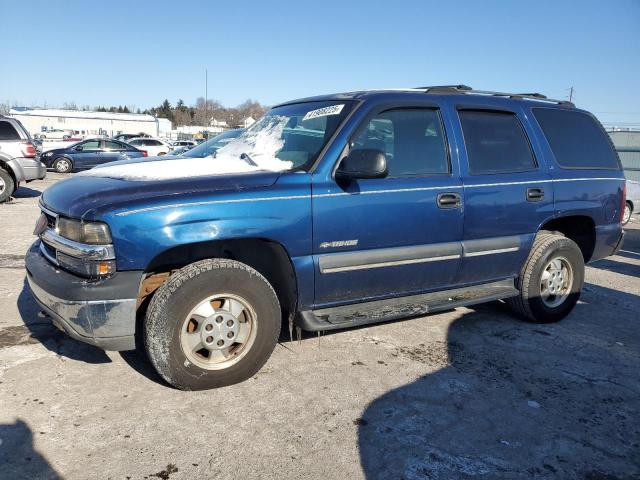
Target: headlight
x,y
93,233
47,154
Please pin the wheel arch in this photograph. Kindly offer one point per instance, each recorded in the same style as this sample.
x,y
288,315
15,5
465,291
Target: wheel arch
x,y
4,165
579,228
268,257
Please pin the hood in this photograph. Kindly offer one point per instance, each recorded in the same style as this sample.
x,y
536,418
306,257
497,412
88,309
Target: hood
x,y
85,196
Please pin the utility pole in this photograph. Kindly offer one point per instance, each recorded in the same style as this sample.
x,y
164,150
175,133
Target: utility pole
x,y
571,94
206,101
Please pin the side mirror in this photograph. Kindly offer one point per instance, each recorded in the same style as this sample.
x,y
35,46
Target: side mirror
x,y
78,148
363,163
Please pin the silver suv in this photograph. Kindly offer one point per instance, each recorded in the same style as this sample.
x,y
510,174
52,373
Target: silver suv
x,y
18,162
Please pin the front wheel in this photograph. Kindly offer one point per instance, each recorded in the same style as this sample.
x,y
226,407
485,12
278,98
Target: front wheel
x,y
212,324
626,215
550,281
62,165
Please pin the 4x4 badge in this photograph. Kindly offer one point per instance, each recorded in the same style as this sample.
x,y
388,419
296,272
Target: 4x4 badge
x,y
339,243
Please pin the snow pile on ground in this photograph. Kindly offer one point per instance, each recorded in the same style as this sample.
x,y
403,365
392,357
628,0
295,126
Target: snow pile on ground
x,y
261,143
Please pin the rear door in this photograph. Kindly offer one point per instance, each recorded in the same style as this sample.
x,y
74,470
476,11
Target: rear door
x,y
111,151
507,192
377,238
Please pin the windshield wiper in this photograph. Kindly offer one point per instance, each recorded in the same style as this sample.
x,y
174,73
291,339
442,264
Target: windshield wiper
x,y
247,159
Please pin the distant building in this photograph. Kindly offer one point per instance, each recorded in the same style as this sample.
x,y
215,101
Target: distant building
x,y
164,127
86,123
247,122
627,143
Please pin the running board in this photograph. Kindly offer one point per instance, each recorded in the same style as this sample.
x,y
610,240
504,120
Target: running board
x,y
403,307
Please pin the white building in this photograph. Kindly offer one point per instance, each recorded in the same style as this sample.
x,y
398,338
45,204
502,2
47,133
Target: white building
x,y
83,123
247,122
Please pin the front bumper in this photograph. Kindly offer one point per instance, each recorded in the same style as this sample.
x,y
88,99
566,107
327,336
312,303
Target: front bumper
x,y
100,313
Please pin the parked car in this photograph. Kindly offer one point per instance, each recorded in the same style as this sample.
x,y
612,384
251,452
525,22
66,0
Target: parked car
x,y
55,134
183,143
18,162
125,137
633,201
331,212
153,146
212,145
88,153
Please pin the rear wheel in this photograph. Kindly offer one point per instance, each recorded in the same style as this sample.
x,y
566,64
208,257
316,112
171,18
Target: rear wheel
x,y
7,185
626,215
550,281
62,165
213,323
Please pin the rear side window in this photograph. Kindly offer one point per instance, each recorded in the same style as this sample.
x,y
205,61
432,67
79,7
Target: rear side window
x,y
576,139
496,142
412,140
113,145
7,132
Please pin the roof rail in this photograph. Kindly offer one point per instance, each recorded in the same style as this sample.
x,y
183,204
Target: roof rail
x,y
466,90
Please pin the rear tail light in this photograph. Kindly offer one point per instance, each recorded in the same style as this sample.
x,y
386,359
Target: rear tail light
x,y
624,201
144,153
28,150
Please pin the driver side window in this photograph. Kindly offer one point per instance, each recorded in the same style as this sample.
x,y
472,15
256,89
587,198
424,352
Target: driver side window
x,y
412,140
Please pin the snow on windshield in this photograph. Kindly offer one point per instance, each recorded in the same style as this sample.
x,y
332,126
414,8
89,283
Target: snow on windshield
x,y
261,143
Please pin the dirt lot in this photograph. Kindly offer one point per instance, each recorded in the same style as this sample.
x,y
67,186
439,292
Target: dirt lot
x,y
472,392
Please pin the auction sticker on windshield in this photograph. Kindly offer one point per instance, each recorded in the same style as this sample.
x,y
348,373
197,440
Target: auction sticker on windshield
x,y
323,112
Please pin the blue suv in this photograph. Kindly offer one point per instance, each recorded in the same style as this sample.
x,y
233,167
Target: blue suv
x,y
330,212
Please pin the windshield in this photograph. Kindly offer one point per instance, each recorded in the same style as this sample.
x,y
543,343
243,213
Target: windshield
x,y
288,137
213,144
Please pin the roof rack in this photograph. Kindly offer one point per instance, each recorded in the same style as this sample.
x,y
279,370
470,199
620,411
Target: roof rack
x,y
466,90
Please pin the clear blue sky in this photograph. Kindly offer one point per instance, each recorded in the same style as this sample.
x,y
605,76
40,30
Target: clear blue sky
x,y
136,52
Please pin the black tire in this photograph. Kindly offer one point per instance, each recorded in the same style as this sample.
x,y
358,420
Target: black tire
x,y
7,186
62,165
529,304
628,210
178,296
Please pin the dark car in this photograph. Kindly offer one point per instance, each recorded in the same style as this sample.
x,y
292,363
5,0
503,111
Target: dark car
x,y
212,145
125,137
88,154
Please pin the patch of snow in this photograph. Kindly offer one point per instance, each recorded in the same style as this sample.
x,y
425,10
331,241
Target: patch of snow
x,y
262,142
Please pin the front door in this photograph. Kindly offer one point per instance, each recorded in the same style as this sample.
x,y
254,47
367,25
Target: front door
x,y
86,157
376,238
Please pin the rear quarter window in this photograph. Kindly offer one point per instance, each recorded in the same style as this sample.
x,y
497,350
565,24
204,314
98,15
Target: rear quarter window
x,y
576,139
495,142
7,132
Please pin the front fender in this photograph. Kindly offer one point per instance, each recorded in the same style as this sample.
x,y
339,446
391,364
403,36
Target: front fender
x,y
280,214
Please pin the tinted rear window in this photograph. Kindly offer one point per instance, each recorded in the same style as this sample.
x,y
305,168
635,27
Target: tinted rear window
x,y
576,139
495,142
7,132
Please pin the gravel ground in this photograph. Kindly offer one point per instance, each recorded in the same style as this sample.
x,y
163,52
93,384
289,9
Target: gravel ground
x,y
469,393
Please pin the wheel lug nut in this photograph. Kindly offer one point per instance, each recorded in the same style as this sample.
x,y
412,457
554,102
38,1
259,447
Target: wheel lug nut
x,y
230,335
220,343
209,339
218,319
229,323
208,327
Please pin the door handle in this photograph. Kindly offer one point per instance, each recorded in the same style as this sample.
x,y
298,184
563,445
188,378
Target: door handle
x,y
449,200
535,194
